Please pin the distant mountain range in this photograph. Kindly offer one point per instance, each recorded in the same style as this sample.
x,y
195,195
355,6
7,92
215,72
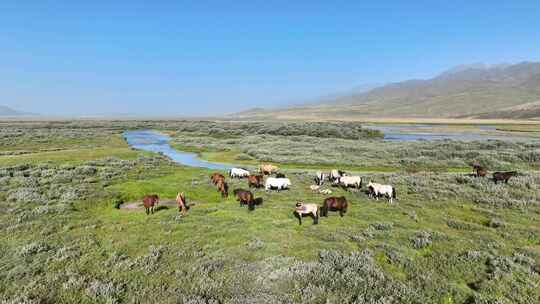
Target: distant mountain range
x,y
466,91
7,111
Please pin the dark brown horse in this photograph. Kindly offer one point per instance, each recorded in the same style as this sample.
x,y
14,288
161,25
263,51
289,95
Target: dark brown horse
x,y
479,170
182,203
503,176
280,175
149,201
223,188
334,204
255,181
216,176
245,197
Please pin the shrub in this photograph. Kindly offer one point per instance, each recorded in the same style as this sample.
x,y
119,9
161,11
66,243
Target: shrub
x,y
421,239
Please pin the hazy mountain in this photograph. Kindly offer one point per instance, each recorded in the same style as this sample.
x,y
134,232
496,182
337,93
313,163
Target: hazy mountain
x,y
7,111
476,90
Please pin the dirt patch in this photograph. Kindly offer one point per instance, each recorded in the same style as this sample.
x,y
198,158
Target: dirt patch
x,y
139,205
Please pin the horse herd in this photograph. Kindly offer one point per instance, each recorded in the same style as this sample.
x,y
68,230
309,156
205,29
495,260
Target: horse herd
x,y
280,182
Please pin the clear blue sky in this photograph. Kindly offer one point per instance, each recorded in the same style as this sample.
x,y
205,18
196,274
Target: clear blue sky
x,y
210,57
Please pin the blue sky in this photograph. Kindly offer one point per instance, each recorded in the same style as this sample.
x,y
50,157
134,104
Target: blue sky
x,y
212,57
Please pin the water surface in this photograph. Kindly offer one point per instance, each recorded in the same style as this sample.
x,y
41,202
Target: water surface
x,y
411,132
153,141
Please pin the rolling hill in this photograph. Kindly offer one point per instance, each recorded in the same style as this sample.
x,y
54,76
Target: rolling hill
x,y
468,91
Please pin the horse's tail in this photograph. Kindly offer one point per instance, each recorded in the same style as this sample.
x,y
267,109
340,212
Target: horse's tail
x,y
394,195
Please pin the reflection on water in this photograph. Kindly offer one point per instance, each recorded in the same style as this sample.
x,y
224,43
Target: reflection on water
x,y
157,142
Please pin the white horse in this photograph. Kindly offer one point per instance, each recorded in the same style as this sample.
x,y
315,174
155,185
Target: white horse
x,y
277,183
350,181
238,172
336,174
307,209
378,189
320,177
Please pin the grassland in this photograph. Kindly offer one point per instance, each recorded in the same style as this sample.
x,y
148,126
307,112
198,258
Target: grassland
x,y
450,238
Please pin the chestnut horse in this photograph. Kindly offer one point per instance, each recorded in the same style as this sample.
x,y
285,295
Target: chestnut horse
x,y
223,187
479,170
255,181
334,204
149,201
215,177
182,203
503,176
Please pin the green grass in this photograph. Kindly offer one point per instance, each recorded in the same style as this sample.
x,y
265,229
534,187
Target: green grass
x,y
97,253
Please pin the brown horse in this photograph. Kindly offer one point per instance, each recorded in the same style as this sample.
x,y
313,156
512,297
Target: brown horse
x,y
215,177
223,188
479,170
255,181
245,197
182,203
334,204
149,201
503,176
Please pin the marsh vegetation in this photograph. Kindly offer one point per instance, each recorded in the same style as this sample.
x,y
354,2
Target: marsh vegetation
x,y
449,238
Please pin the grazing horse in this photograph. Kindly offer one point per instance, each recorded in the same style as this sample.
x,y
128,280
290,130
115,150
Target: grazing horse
x,y
149,201
302,209
350,181
503,176
320,177
277,183
479,171
245,197
182,203
377,190
267,169
255,181
334,204
223,188
336,174
280,175
238,173
215,177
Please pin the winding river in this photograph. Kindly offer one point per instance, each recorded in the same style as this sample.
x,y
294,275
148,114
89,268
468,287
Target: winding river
x,y
153,141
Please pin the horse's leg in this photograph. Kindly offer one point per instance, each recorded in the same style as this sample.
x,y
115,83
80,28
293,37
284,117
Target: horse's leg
x,y
299,216
316,218
341,213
